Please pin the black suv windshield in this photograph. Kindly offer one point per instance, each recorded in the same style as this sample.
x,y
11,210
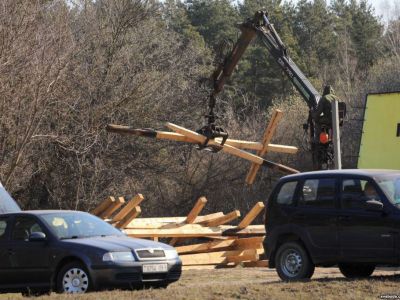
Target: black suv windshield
x,y
390,184
78,225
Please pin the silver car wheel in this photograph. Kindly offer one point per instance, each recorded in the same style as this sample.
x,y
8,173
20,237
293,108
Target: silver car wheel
x,y
291,262
75,281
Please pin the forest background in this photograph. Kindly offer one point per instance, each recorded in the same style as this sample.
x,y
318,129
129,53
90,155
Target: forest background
x,y
68,68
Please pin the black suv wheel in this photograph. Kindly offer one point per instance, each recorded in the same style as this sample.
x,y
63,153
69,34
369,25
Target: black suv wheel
x,y
356,270
293,262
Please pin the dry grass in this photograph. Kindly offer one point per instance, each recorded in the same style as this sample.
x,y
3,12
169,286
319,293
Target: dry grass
x,y
242,283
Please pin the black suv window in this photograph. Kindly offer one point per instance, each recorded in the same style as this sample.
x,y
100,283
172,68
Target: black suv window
x,y
355,193
23,227
286,193
3,228
318,193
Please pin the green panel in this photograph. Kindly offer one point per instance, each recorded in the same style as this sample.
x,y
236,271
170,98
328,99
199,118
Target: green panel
x,y
380,145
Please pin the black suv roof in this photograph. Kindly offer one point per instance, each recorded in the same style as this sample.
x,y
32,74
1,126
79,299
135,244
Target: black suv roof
x,y
362,172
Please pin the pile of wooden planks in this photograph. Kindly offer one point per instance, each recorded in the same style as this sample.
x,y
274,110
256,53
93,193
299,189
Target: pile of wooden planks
x,y
202,241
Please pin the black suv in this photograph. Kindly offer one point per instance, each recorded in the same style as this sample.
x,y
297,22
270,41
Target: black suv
x,y
349,218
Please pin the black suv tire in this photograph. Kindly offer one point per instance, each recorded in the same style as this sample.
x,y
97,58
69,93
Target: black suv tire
x,y
356,270
293,263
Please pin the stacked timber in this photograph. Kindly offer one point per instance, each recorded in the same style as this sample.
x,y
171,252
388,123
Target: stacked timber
x,y
202,241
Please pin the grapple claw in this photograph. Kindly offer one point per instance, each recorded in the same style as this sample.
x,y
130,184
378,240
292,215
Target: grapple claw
x,y
212,131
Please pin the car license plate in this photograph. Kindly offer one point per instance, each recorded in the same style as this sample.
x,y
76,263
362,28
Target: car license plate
x,y
155,268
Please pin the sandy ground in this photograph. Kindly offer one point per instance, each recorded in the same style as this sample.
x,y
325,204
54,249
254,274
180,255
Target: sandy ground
x,y
258,283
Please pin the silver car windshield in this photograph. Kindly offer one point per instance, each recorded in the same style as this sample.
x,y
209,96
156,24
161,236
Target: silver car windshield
x,y
73,225
390,184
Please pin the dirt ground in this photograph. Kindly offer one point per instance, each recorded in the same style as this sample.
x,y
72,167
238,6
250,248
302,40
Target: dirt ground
x,y
258,283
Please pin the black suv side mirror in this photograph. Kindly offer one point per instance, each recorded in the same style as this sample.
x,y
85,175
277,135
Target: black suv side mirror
x,y
37,237
374,205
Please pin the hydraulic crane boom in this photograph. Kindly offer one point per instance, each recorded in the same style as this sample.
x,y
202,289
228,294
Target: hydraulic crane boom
x,y
261,27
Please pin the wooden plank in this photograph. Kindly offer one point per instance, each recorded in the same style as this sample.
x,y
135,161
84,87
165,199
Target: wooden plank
x,y
232,150
145,225
129,217
211,257
223,220
117,203
196,230
173,136
154,223
241,144
177,137
209,217
193,214
256,264
102,206
204,247
235,244
226,148
250,256
135,201
249,243
282,149
268,134
256,230
251,215
149,133
259,146
220,238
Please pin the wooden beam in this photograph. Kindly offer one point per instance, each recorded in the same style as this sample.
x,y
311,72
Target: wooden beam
x,y
259,146
135,201
232,150
149,133
117,203
220,238
129,217
241,144
209,217
177,137
205,247
268,134
251,255
249,230
234,244
102,206
249,243
282,149
251,215
212,257
193,214
165,220
196,230
223,220
168,222
225,148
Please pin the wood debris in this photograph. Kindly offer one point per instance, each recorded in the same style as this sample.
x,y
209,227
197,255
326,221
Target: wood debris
x,y
202,241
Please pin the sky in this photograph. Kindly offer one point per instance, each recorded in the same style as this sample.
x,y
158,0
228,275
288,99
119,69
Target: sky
x,y
387,9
